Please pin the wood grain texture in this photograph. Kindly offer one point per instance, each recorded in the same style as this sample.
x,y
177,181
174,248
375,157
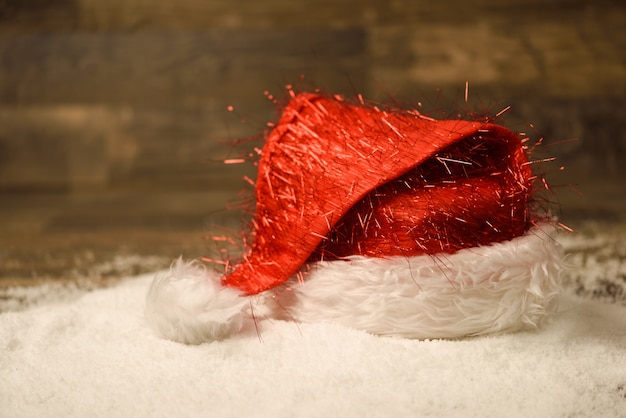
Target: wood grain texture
x,y
147,81
113,113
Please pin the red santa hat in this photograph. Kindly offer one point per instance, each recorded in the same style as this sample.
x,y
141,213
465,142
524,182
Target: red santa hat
x,y
386,221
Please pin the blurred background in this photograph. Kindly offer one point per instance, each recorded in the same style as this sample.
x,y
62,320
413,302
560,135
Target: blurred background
x,y
114,119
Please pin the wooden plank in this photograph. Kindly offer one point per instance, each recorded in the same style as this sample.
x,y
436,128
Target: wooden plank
x,y
164,68
527,56
78,147
115,15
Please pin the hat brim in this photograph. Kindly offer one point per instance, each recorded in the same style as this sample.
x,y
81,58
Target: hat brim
x,y
503,287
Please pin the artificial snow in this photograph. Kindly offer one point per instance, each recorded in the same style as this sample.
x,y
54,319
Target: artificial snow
x,y
95,356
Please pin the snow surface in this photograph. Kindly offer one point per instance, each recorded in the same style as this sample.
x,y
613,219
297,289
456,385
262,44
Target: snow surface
x,y
94,356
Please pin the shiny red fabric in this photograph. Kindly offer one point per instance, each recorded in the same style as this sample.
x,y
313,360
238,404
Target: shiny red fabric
x,y
337,179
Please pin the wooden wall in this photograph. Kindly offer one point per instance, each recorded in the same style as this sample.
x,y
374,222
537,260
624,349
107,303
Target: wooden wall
x,y
133,93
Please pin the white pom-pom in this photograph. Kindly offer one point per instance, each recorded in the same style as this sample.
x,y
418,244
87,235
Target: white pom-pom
x,y
189,305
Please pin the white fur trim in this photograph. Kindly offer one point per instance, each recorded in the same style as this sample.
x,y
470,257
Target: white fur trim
x,y
189,305
503,287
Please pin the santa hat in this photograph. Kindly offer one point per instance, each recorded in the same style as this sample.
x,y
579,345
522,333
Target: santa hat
x,y
386,221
